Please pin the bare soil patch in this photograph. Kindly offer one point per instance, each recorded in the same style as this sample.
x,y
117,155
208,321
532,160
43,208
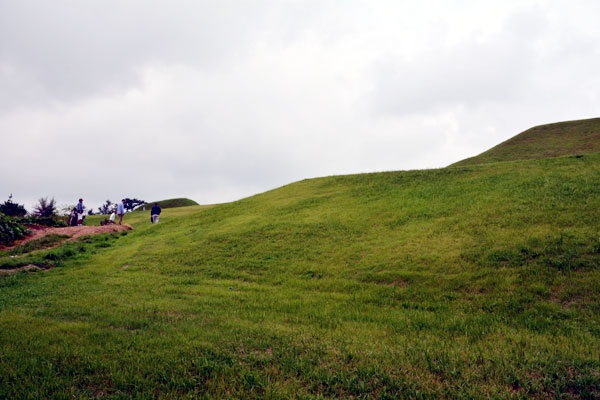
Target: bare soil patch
x,y
72,231
28,268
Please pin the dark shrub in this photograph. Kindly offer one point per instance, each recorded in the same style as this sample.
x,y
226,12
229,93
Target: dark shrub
x,y
130,204
11,230
106,208
45,208
45,221
12,209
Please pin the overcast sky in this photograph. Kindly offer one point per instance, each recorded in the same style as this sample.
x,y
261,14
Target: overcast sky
x,y
219,100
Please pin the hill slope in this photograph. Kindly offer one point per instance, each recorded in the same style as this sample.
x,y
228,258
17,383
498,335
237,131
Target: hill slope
x,y
467,282
544,141
169,203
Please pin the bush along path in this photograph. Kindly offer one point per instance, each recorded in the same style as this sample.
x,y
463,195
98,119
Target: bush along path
x,y
11,230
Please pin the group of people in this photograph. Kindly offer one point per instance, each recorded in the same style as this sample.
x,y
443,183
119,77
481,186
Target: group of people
x,y
120,211
76,218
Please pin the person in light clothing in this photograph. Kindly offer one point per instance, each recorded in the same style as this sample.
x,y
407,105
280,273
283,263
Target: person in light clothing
x,y
112,216
121,210
155,213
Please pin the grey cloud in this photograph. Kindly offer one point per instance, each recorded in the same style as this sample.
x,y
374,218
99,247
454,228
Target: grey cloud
x,y
66,50
474,72
220,100
535,55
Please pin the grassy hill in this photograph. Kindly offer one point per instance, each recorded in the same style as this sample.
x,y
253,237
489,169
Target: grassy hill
x,y
470,282
169,203
544,141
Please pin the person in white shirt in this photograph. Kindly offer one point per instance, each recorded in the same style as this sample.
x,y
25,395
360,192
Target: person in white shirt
x,y
112,216
121,210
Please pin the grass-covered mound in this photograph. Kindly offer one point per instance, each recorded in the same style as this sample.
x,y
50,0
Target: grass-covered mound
x,y
169,203
544,141
468,282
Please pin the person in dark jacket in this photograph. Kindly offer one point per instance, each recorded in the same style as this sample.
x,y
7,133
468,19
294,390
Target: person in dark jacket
x,y
73,218
155,212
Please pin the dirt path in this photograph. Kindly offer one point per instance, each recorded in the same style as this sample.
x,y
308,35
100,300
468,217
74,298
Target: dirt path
x,y
73,231
28,268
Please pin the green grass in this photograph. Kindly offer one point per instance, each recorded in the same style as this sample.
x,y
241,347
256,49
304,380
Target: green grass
x,y
169,203
544,141
53,257
467,282
37,244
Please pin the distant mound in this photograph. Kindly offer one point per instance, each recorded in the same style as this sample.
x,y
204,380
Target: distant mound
x,y
169,203
544,141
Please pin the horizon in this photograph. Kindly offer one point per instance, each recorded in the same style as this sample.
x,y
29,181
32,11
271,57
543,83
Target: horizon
x,y
64,205
218,101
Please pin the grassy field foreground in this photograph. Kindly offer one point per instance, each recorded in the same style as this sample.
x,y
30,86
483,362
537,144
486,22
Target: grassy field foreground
x,y
466,282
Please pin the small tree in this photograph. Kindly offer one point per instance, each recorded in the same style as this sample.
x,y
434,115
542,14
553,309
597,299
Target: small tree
x,y
106,208
130,204
45,207
12,209
91,211
65,209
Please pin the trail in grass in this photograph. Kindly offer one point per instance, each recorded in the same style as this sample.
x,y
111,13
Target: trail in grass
x,y
72,231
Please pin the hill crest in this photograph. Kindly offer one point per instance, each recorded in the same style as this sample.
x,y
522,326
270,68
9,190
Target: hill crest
x,y
544,141
169,203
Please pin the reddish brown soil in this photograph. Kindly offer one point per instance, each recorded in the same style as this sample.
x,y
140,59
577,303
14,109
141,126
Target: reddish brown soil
x,y
73,231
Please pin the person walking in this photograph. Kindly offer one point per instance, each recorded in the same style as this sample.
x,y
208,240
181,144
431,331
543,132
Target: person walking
x,y
121,210
155,213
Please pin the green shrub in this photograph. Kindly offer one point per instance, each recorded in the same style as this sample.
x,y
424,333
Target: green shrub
x,y
53,221
11,230
12,209
45,207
